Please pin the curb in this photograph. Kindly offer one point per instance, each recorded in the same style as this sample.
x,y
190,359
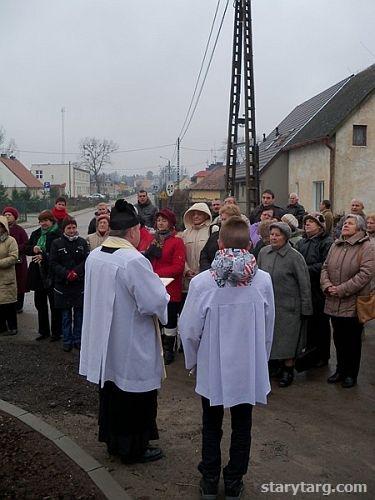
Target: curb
x,y
97,472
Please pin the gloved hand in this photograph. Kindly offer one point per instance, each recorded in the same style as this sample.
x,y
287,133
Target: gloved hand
x,y
71,276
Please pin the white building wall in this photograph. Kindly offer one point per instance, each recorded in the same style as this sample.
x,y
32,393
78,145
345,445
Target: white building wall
x,y
76,180
355,165
309,165
8,179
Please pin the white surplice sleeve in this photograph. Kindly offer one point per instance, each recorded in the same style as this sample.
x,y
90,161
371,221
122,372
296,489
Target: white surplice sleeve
x,y
191,324
270,313
149,292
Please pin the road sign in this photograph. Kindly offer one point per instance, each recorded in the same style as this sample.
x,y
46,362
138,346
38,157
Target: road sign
x,y
163,195
170,189
47,186
155,188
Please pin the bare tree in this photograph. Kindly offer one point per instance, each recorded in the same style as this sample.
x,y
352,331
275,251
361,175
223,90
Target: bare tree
x,y
95,153
10,149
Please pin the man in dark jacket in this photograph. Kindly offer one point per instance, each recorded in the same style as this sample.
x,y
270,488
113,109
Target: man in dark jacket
x,y
145,208
314,247
212,245
268,201
295,208
67,261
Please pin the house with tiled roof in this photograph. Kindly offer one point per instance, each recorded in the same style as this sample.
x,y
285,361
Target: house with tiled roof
x,y
210,188
14,175
324,148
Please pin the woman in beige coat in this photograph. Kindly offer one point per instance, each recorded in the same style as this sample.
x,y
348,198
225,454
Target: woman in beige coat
x,y
102,230
197,220
346,274
8,283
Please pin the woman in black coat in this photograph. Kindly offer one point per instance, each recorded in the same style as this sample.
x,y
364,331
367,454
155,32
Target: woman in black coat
x,y
68,257
38,275
314,247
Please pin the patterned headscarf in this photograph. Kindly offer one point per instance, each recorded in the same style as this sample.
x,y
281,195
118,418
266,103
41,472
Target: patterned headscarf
x,y
233,267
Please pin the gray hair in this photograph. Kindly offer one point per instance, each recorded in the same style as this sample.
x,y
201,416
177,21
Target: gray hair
x,y
359,221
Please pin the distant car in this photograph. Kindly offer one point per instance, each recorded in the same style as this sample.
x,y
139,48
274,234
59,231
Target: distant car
x,y
97,196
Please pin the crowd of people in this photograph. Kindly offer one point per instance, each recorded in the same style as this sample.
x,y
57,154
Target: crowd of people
x,y
245,298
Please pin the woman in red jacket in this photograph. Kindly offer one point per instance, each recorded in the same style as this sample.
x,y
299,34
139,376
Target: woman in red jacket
x,y
167,256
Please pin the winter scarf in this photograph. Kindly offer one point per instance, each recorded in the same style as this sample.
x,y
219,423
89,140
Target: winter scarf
x,y
59,215
71,238
156,247
233,267
41,243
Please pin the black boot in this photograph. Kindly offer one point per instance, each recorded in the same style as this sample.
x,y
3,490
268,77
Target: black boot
x,y
287,376
233,489
168,348
208,488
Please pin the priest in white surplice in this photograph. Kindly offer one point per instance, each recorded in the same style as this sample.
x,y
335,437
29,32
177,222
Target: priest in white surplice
x,y
120,348
226,329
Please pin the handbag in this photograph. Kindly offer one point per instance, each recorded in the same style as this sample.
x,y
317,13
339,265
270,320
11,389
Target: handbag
x,y
366,307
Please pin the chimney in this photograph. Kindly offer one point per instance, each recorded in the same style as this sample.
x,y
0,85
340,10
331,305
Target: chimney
x,y
12,157
277,133
264,138
4,155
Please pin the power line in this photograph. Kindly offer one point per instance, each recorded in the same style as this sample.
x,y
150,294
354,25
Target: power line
x,y
182,135
201,68
147,148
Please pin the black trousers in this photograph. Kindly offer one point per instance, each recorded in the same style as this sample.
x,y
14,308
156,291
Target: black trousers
x,y
8,317
347,336
319,335
239,453
127,420
20,301
41,299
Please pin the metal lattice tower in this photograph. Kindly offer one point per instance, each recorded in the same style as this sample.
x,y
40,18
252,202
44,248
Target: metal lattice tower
x,y
242,52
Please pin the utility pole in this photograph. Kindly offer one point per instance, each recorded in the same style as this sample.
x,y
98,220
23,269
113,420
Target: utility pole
x,y
178,163
63,135
242,52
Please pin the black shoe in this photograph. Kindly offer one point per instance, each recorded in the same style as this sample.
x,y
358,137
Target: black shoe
x,y
287,377
55,338
7,333
67,348
233,489
348,382
42,337
150,455
208,488
77,346
335,378
321,363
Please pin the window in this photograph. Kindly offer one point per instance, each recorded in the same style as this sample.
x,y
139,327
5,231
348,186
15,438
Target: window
x,y
318,194
359,135
39,174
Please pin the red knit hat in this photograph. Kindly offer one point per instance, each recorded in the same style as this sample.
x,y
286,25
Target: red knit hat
x,y
11,210
167,214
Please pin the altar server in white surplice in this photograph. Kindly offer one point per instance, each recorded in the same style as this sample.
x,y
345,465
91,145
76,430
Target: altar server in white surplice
x,y
226,328
120,348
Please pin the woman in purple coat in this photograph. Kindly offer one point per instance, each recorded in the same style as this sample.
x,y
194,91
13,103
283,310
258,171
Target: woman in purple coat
x,y
19,234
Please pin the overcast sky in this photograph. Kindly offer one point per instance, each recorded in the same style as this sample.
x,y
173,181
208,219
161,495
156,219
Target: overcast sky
x,y
125,70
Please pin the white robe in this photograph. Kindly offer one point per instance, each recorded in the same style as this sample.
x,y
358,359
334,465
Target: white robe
x,y
227,334
119,342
